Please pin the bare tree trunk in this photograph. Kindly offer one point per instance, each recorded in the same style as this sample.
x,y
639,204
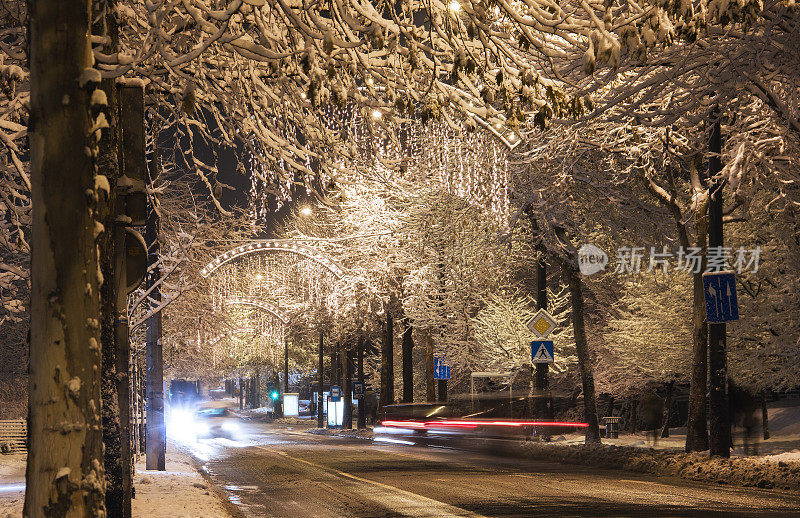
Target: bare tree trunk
x,y
408,362
387,363
610,407
584,358
430,385
764,415
696,426
667,409
65,475
633,418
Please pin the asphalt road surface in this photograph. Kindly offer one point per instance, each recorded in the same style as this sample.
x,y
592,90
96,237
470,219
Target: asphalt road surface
x,y
284,472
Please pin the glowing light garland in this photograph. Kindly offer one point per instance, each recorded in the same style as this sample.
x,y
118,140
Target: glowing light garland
x,y
273,245
262,304
472,165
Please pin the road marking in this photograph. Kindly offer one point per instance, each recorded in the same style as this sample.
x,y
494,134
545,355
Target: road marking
x,y
393,498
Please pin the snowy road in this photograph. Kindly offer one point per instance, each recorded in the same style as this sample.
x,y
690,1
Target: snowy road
x,y
283,472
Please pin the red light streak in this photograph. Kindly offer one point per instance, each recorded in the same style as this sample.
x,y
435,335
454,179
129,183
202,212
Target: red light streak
x,y
456,423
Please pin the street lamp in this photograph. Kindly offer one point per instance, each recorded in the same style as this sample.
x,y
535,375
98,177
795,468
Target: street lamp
x,y
306,211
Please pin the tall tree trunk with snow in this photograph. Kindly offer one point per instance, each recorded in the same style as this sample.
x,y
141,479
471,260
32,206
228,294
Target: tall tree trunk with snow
x,y
387,363
65,475
108,167
696,427
582,351
408,361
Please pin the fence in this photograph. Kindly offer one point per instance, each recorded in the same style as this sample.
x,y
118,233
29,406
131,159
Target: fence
x,y
13,433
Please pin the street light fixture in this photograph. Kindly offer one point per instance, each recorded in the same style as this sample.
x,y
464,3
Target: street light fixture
x,y
305,211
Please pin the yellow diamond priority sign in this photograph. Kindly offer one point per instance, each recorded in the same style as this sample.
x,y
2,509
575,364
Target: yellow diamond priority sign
x,y
542,324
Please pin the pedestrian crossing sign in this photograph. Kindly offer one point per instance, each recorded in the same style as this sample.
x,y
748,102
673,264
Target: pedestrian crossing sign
x,y
542,351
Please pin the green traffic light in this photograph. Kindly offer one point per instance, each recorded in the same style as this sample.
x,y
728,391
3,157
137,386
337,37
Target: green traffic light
x,y
274,394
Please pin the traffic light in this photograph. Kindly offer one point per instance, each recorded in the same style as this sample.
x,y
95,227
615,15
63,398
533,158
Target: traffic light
x,y
274,394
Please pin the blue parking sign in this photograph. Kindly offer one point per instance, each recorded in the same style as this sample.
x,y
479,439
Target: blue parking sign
x,y
719,289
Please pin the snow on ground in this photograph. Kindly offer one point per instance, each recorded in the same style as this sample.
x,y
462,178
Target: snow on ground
x,y
12,484
339,432
178,492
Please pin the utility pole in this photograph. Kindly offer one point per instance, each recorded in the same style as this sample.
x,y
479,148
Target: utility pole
x,y
543,407
362,414
320,379
156,445
347,388
286,365
720,437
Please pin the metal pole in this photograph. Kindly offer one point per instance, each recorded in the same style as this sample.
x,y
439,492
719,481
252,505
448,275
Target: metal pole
x,y
720,437
320,380
123,367
362,411
286,365
156,444
541,406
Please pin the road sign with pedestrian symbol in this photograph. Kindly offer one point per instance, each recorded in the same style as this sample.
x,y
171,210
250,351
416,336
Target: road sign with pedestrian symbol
x,y
542,351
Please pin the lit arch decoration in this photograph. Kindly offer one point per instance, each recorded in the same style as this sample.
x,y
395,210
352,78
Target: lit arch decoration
x,y
274,245
261,304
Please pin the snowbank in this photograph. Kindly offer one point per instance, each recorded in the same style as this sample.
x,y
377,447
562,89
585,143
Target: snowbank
x,y
337,432
747,471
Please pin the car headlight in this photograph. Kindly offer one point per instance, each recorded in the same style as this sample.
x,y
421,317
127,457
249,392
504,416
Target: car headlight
x,y
202,428
230,426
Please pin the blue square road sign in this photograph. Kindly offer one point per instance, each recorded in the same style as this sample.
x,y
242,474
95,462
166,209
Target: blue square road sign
x,y
719,289
440,370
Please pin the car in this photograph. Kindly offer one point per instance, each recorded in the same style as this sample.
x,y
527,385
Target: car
x,y
211,423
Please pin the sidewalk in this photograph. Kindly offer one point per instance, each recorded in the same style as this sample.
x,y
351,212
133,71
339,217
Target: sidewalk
x,y
179,492
12,485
